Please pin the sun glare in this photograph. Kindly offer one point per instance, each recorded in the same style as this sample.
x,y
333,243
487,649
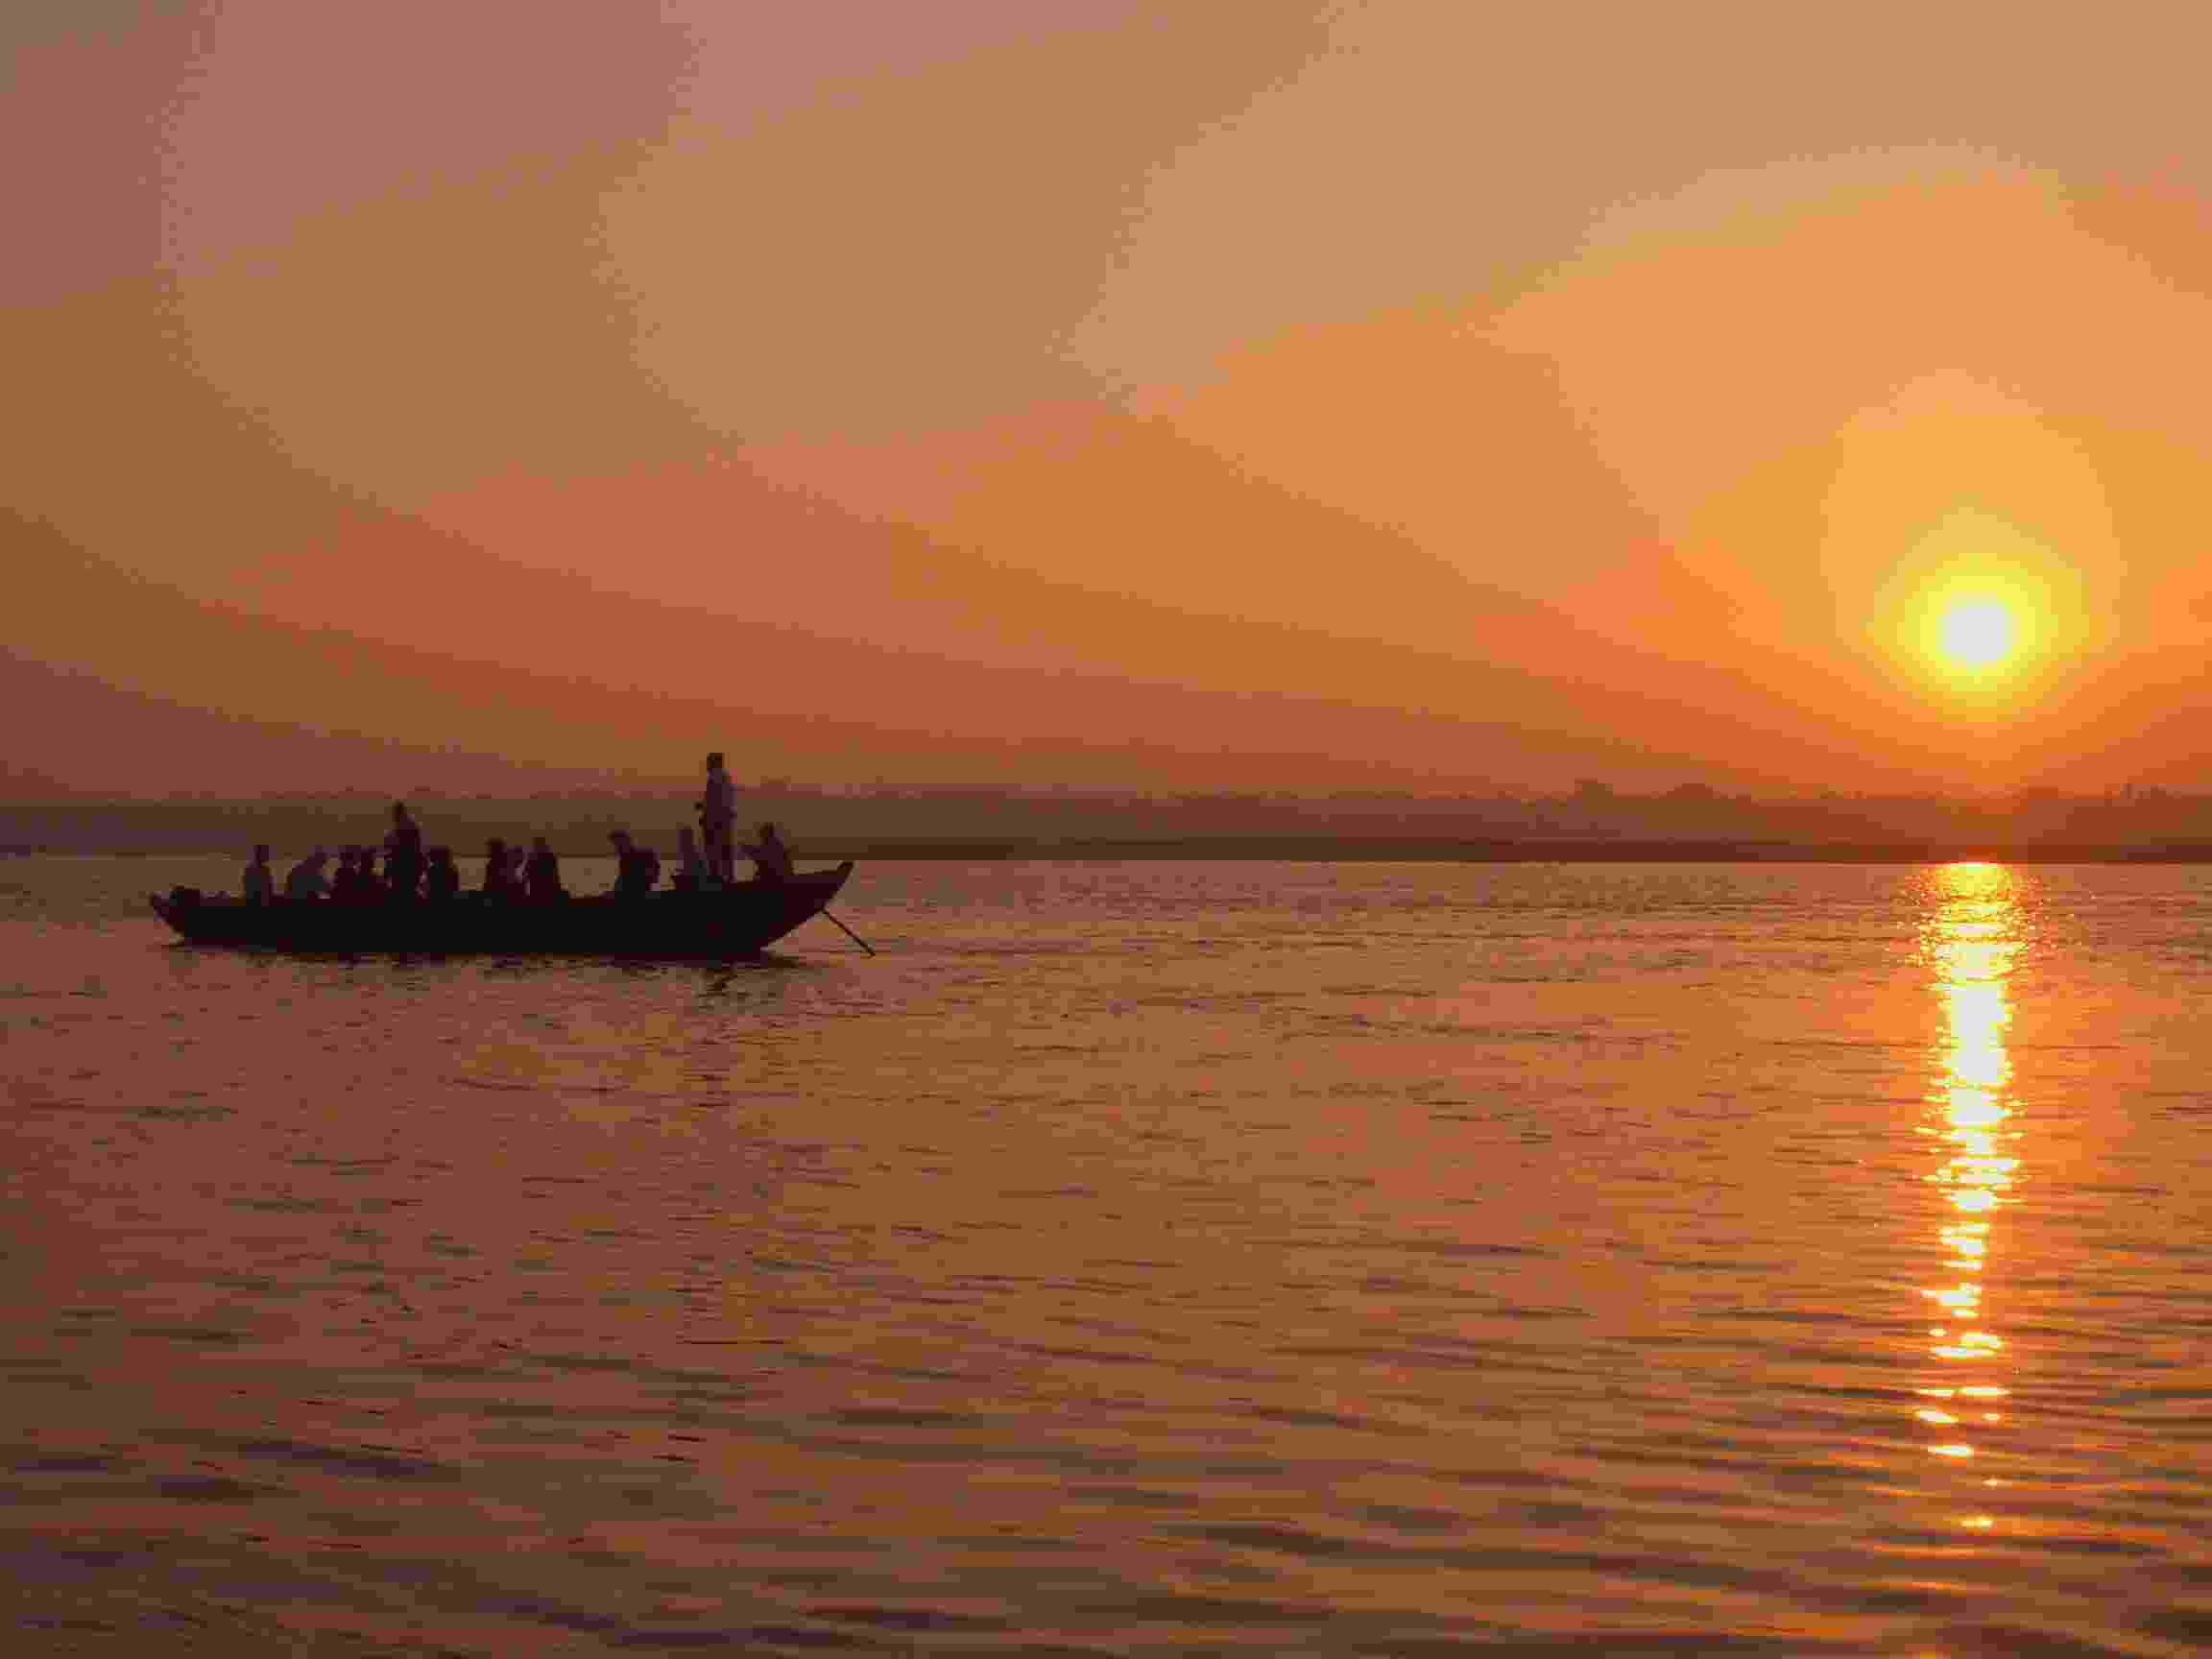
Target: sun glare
x,y
1976,633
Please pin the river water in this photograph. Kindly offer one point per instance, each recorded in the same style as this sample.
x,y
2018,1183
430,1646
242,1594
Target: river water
x,y
1132,1259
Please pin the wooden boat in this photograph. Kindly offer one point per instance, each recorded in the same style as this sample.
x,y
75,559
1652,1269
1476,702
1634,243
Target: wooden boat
x,y
738,921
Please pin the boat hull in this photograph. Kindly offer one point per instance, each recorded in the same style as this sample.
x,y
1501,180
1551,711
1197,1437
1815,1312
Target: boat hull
x,y
738,921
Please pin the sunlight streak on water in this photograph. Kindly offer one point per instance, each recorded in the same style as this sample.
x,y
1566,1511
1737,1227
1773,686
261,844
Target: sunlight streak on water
x,y
1972,935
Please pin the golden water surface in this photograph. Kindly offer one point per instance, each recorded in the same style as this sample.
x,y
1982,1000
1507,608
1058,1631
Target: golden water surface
x,y
1142,1259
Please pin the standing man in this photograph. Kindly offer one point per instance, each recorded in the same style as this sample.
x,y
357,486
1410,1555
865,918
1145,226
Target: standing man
x,y
718,819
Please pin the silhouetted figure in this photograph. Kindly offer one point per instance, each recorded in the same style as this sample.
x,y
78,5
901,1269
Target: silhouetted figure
x,y
356,881
305,880
771,858
636,868
542,874
696,875
258,885
402,853
442,879
718,819
517,865
500,883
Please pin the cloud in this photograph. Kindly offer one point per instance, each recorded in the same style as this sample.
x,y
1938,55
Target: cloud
x,y
914,251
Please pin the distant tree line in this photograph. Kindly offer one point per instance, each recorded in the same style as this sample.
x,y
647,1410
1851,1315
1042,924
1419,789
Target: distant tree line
x,y
826,820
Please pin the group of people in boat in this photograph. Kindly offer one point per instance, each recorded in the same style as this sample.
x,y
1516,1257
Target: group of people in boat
x,y
411,873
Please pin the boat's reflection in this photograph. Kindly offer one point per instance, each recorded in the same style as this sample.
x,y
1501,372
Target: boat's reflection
x,y
746,975
714,976
1971,941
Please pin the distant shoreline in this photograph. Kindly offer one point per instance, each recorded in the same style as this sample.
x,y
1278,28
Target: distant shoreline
x,y
1342,850
1387,850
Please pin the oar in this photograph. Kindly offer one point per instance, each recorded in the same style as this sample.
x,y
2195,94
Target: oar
x,y
850,934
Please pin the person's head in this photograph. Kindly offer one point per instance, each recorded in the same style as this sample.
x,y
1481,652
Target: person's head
x,y
620,838
496,849
767,831
398,811
318,857
346,856
714,760
260,852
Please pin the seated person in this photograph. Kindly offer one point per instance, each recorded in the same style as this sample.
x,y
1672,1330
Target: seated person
x,y
346,884
305,880
356,882
541,875
771,858
500,882
258,885
638,868
442,884
367,887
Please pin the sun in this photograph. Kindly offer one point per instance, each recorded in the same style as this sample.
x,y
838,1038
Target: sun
x,y
1976,633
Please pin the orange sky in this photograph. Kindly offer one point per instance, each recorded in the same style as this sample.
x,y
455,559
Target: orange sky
x,y
1269,394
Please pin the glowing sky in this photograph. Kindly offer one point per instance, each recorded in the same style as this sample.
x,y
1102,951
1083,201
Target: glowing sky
x,y
1262,392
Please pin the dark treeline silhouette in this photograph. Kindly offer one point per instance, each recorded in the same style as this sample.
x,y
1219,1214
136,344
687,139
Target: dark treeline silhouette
x,y
884,820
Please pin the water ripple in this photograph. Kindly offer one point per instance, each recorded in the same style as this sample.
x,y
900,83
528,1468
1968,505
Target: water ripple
x,y
1148,1259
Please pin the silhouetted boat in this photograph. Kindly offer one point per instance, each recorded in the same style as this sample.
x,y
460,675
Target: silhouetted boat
x,y
737,921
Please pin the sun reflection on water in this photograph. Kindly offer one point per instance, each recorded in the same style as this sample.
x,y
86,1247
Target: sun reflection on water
x,y
1971,940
